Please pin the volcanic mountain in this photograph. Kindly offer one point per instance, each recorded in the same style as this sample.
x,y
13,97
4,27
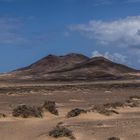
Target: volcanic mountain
x,y
52,63
73,67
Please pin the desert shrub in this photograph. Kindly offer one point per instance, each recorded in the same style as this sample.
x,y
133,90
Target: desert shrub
x,y
114,105
2,115
59,124
127,102
100,124
133,104
50,106
102,110
114,111
75,112
61,131
27,111
113,138
134,97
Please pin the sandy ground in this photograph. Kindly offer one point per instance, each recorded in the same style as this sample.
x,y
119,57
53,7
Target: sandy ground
x,y
89,126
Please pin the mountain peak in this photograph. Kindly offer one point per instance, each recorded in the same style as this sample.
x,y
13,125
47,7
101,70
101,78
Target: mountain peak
x,y
75,66
100,58
54,63
74,54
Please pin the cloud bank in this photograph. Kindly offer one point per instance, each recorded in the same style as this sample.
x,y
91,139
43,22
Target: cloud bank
x,y
115,57
122,32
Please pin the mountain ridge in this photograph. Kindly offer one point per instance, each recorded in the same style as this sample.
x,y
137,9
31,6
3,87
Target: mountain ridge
x,y
72,67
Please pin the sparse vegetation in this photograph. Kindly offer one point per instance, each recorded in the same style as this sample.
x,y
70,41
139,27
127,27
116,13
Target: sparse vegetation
x,y
113,138
25,111
102,110
28,111
114,105
59,124
108,108
75,112
61,131
134,97
100,124
134,101
50,106
2,115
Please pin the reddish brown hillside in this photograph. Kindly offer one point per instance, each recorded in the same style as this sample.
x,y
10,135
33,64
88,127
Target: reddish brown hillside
x,y
73,67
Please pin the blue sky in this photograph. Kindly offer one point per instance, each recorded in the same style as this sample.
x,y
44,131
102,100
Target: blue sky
x,y
32,29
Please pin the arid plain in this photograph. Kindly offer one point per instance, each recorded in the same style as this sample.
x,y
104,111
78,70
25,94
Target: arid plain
x,y
92,125
70,97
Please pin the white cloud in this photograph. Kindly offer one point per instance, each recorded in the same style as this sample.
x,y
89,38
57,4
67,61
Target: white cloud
x,y
115,57
121,32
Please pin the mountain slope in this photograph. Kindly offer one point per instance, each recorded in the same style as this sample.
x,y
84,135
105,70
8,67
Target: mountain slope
x,y
94,68
54,63
72,67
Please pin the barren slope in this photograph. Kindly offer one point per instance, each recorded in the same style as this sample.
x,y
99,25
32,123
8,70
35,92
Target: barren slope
x,y
72,67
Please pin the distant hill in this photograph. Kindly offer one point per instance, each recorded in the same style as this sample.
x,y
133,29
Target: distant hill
x,y
72,67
